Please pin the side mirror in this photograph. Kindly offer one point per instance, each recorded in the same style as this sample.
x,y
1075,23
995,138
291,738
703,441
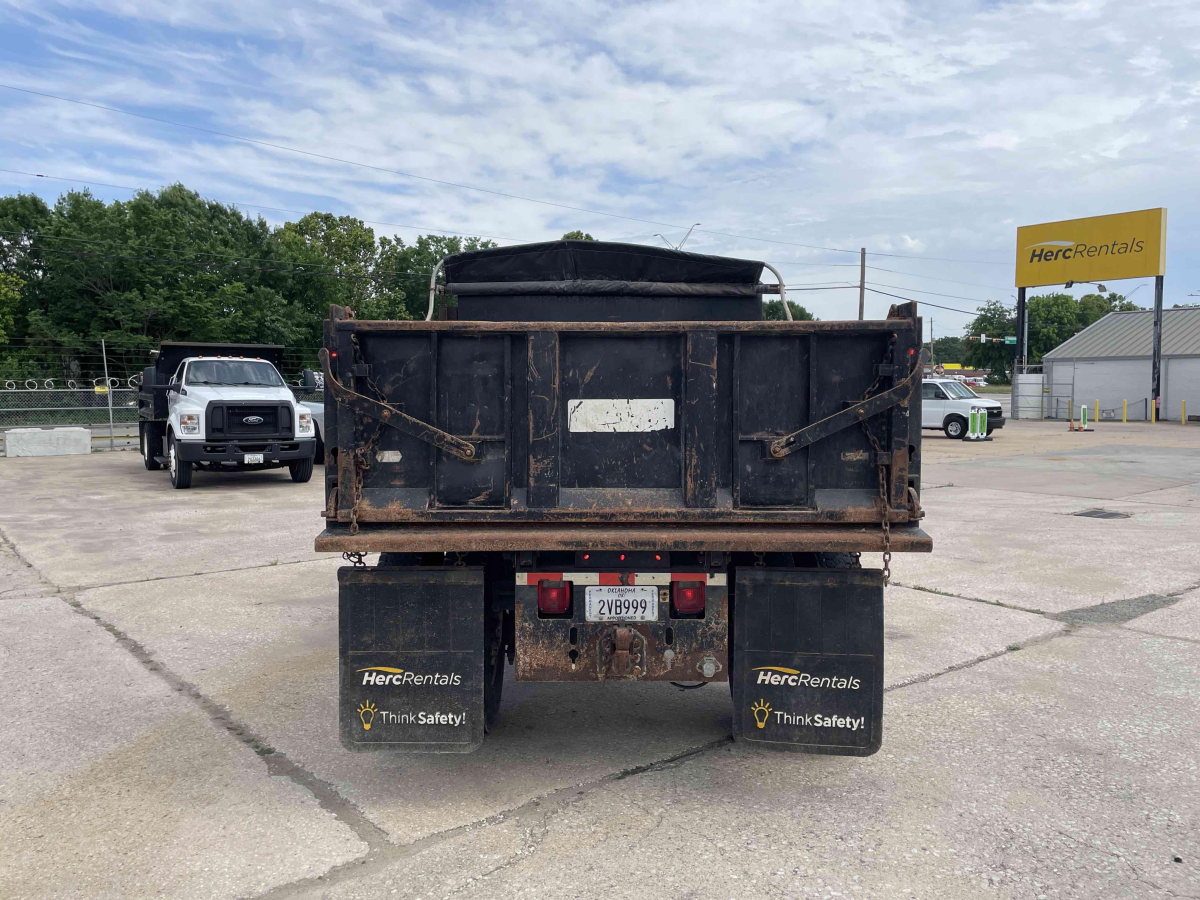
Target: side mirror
x,y
308,381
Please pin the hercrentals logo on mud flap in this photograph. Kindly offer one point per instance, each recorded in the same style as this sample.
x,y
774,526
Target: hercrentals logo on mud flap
x,y
385,675
796,678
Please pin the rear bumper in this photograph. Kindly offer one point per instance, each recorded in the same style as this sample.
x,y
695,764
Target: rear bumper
x,y
426,538
273,451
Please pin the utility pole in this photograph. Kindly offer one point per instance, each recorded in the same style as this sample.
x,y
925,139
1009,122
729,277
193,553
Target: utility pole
x,y
862,282
932,355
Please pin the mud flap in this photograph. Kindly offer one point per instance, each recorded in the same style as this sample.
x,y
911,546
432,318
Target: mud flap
x,y
410,658
808,659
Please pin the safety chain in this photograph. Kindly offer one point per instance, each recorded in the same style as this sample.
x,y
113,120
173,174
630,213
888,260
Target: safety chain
x,y
885,502
361,457
354,558
887,526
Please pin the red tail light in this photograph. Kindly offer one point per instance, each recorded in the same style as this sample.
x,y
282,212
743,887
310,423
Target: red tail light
x,y
554,597
687,597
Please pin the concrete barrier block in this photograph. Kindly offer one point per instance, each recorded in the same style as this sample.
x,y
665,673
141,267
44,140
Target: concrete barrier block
x,y
47,441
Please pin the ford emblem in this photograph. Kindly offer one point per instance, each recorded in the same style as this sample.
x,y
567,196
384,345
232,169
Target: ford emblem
x,y
253,420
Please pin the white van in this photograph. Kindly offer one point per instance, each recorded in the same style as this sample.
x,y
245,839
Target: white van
x,y
946,403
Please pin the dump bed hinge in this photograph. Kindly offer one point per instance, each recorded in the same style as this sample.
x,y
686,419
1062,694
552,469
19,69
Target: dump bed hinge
x,y
388,415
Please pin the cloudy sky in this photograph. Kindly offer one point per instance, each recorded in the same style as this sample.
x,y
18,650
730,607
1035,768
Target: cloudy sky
x,y
927,130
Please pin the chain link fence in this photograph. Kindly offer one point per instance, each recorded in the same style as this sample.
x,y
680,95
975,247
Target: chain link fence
x,y
66,386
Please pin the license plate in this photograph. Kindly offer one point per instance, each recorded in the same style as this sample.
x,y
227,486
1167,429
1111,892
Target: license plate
x,y
619,603
253,458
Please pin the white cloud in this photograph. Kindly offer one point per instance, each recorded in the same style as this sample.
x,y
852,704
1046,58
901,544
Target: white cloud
x,y
904,127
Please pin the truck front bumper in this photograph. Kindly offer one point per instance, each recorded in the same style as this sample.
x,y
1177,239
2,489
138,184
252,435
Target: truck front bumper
x,y
995,421
273,451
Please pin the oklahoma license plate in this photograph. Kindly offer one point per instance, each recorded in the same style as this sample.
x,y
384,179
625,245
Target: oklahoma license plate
x,y
253,458
620,603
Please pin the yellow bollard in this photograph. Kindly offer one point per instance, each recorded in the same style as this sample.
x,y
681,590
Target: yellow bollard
x,y
1182,412
1124,411
1153,412
1096,417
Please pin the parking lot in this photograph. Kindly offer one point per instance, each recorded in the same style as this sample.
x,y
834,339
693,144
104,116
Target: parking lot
x,y
170,664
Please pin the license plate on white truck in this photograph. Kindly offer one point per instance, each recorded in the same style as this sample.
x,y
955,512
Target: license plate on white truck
x,y
253,458
621,603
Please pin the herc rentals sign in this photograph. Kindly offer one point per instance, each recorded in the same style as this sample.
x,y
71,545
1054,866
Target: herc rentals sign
x,y
1101,248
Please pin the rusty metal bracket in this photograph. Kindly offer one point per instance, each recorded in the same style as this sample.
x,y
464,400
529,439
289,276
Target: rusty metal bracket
x,y
852,415
622,653
389,415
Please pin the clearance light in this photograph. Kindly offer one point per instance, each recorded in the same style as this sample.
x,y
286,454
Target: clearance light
x,y
554,597
687,597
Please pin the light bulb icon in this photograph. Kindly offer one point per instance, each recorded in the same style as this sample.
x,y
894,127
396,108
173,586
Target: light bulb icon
x,y
761,710
366,712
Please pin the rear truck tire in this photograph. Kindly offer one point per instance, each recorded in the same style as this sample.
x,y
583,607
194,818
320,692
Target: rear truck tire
x,y
301,470
181,470
494,661
151,446
955,428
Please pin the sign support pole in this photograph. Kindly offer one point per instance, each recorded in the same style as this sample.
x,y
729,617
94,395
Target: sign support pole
x,y
1156,353
1022,332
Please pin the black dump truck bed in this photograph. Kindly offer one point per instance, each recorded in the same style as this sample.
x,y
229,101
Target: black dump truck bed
x,y
719,423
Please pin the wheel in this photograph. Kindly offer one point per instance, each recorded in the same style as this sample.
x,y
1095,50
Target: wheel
x,y
151,447
838,561
956,428
301,470
989,431
181,470
493,668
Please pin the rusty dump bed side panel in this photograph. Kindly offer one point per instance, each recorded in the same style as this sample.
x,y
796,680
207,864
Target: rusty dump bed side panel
x,y
700,434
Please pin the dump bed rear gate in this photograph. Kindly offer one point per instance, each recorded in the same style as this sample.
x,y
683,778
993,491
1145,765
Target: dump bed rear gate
x,y
623,422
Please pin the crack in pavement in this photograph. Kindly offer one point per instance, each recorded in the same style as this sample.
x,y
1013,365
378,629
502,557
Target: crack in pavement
x,y
535,816
277,762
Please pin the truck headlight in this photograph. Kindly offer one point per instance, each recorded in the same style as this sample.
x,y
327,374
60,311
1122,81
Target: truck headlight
x,y
306,423
189,423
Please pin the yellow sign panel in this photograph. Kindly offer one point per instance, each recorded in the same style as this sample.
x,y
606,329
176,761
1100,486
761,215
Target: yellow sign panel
x,y
1100,248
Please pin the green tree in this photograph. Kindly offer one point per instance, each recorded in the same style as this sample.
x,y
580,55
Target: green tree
x,y
406,268
773,311
10,298
994,320
1094,307
947,349
577,236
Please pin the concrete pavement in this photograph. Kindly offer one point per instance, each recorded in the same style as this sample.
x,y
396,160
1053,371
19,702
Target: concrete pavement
x,y
1027,749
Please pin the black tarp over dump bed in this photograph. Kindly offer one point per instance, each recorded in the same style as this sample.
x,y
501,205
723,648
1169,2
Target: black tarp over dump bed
x,y
607,282
550,404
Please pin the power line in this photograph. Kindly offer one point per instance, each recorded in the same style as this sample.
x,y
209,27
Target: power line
x,y
403,174
923,302
991,287
900,287
979,262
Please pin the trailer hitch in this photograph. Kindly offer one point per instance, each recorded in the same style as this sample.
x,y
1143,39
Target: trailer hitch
x,y
852,415
389,415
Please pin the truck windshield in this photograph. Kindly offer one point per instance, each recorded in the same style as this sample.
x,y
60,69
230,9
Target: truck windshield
x,y
233,372
959,390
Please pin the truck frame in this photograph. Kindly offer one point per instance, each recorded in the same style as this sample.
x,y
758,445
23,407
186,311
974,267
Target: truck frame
x,y
603,465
